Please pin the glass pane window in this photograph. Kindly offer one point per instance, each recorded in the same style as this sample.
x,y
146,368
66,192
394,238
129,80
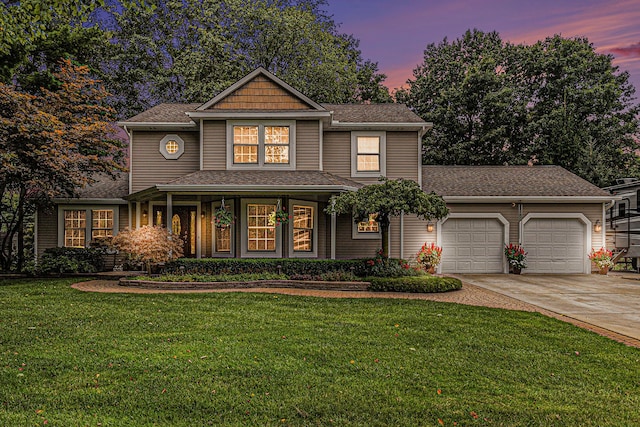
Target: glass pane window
x,y
75,226
370,226
101,223
245,144
172,146
302,228
276,144
368,153
261,236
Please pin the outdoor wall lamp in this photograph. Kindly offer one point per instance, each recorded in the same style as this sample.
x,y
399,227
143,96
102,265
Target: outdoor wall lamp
x,y
144,214
597,227
429,227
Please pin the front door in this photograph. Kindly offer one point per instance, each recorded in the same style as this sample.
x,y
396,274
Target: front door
x,y
184,224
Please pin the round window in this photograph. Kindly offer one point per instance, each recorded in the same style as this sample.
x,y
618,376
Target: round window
x,y
172,146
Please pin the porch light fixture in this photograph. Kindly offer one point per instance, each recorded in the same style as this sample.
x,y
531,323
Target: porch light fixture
x,y
144,214
597,227
429,227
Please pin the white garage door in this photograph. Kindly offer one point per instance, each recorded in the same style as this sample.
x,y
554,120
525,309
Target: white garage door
x,y
554,245
472,245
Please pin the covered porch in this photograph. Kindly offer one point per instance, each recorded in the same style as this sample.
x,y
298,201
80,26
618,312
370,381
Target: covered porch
x,y
186,207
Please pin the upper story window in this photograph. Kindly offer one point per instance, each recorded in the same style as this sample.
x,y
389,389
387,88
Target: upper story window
x,y
261,144
368,154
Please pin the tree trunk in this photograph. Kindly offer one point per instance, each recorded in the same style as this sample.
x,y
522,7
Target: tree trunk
x,y
385,240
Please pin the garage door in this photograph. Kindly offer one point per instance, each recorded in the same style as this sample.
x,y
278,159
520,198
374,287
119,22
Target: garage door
x,y
554,245
472,245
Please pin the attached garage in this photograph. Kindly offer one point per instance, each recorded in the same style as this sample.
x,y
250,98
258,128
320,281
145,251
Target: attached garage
x,y
473,245
555,245
556,216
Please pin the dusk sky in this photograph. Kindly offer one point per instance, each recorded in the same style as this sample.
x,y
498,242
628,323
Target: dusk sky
x,y
395,33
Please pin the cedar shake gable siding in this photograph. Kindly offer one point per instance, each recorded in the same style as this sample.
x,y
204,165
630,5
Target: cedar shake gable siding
x,y
260,94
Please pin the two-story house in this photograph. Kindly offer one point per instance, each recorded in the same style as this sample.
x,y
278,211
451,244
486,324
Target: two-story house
x,y
261,146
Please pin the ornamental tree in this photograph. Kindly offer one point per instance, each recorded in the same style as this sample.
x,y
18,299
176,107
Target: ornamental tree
x,y
386,199
50,146
149,245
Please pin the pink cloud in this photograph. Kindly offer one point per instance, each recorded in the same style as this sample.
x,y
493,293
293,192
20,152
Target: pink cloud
x,y
627,51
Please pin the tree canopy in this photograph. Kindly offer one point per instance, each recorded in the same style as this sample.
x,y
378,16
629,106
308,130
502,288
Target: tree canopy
x,y
189,51
387,199
554,102
50,146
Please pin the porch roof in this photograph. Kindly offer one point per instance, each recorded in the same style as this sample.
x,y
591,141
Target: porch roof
x,y
253,181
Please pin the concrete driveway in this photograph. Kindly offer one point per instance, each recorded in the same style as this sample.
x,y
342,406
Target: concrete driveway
x,y
611,302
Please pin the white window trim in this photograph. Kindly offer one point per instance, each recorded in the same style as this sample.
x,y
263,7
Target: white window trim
x,y
261,146
314,239
214,254
358,235
163,147
88,220
354,154
244,224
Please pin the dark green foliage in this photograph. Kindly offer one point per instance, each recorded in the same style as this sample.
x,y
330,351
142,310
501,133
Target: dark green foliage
x,y
307,269
420,284
287,266
70,260
554,102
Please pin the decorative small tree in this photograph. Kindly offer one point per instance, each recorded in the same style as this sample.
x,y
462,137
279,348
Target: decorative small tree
x,y
149,245
386,199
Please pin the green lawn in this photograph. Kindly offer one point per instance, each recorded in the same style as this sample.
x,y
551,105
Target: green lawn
x,y
69,358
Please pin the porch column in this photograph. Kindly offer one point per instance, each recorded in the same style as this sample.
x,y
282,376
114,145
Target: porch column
x,y
169,212
138,213
401,235
333,236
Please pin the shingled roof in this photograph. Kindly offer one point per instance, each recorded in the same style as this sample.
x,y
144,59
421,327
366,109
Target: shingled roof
x,y
511,181
164,113
106,187
259,178
373,113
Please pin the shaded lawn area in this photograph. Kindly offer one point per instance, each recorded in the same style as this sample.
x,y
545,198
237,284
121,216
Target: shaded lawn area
x,y
71,358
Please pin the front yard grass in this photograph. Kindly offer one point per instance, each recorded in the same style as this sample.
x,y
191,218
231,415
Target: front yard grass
x,y
69,358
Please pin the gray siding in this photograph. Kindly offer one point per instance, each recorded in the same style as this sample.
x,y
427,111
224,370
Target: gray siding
x,y
149,167
214,143
47,230
402,155
307,145
347,247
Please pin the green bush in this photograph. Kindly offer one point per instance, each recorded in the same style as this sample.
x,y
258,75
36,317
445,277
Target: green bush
x,y
421,284
287,266
70,260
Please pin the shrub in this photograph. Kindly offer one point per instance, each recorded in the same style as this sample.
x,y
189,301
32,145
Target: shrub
x,y
288,266
149,245
70,260
422,284
381,266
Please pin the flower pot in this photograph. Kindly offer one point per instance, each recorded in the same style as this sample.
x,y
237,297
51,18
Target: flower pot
x,y
604,270
431,269
516,270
